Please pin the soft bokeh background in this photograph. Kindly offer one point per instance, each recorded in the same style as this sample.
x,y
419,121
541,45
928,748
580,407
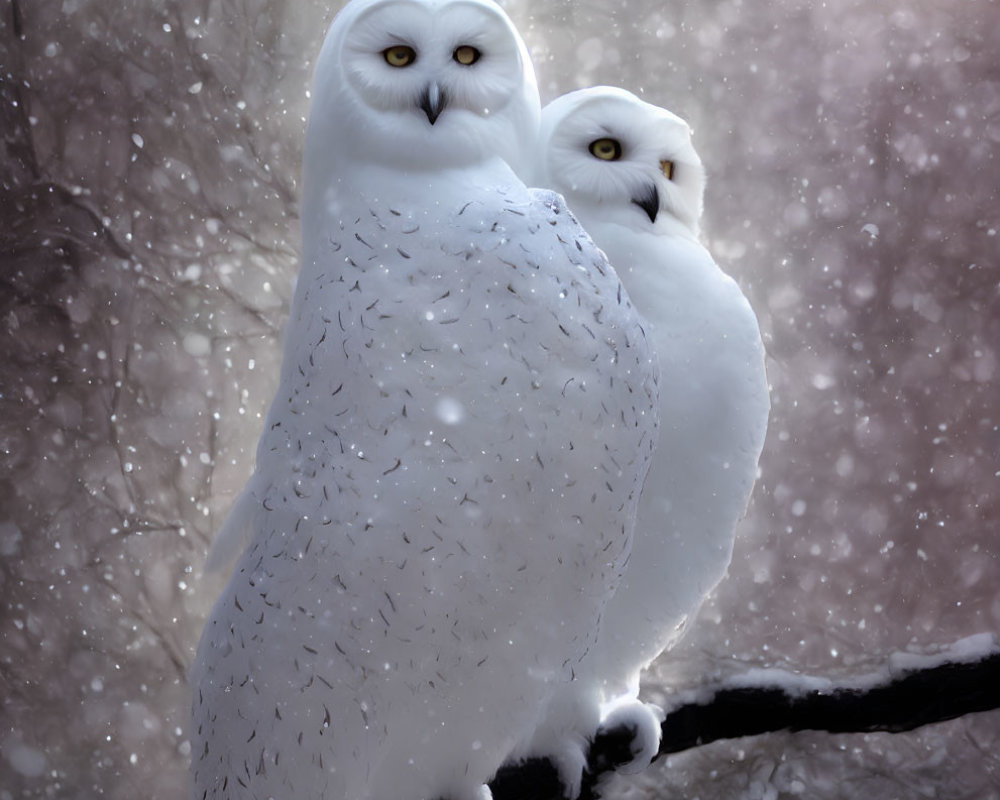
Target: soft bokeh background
x,y
148,235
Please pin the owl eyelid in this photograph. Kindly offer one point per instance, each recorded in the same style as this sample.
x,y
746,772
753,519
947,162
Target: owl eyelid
x,y
399,55
606,148
466,55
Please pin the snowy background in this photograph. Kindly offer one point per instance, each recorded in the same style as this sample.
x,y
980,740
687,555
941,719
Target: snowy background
x,y
149,186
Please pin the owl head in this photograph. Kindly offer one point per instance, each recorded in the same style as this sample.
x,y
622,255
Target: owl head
x,y
611,154
421,85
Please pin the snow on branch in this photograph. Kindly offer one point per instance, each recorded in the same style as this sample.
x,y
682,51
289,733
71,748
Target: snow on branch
x,y
911,691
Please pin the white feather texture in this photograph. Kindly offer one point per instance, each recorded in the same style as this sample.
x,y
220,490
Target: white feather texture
x,y
447,480
366,112
642,206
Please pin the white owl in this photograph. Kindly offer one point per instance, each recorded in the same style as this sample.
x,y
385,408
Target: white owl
x,y
448,476
631,176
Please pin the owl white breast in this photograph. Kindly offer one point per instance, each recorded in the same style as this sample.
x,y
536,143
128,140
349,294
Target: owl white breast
x,y
629,172
448,475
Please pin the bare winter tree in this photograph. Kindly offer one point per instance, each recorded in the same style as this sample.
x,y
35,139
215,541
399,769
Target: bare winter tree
x,y
148,239
149,184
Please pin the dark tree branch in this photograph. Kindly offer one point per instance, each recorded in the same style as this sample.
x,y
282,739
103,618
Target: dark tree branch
x,y
917,697
15,13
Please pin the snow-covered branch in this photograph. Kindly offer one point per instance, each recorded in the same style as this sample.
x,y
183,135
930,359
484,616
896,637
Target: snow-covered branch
x,y
911,691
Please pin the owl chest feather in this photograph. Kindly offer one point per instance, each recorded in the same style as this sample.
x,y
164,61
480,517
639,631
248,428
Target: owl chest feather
x,y
460,369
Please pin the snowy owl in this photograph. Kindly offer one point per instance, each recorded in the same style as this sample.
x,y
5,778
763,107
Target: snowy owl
x,y
449,472
630,174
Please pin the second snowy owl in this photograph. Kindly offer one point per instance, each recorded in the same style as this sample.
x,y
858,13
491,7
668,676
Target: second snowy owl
x,y
630,174
447,480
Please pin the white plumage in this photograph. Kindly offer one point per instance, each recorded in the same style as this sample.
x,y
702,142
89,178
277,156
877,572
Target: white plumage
x,y
630,174
447,480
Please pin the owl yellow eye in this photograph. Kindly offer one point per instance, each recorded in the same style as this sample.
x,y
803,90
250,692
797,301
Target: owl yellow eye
x,y
399,55
606,149
667,168
466,55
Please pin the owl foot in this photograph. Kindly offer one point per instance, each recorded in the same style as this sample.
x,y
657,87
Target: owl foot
x,y
641,722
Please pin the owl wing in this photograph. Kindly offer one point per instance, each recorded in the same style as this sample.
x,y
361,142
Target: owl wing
x,y
234,534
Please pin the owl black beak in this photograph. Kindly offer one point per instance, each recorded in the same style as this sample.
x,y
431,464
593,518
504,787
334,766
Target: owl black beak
x,y
649,201
432,102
